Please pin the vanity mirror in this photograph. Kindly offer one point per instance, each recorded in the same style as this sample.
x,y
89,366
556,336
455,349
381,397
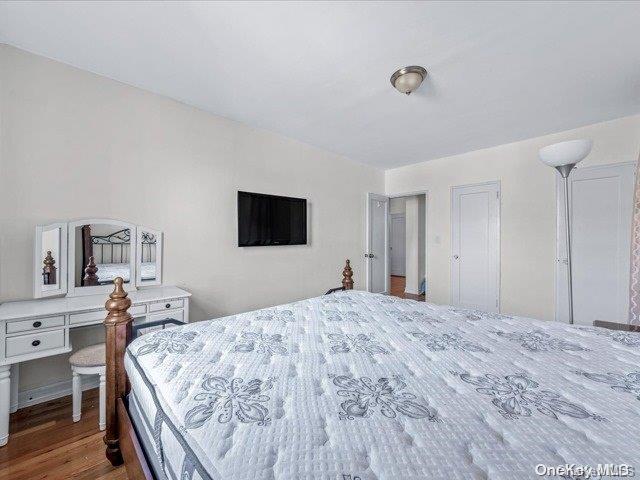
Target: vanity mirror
x,y
149,257
83,257
50,260
99,251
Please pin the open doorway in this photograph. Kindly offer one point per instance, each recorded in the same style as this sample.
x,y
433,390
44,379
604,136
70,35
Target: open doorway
x,y
407,246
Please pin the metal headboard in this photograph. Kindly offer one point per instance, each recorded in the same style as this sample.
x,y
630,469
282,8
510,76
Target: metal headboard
x,y
148,247
121,239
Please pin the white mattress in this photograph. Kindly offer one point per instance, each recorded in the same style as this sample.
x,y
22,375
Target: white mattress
x,y
107,272
361,385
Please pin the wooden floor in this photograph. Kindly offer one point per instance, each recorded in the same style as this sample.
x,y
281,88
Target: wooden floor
x,y
397,287
45,443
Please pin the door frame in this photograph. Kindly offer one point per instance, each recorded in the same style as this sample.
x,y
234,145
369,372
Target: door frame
x,y
391,217
560,235
385,198
498,186
426,232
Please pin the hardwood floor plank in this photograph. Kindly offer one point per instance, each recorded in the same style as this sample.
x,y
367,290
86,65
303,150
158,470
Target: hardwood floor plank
x,y
45,443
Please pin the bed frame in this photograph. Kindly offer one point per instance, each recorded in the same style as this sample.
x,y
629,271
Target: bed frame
x,y
121,438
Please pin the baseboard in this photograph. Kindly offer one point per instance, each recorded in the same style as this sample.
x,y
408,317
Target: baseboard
x,y
33,396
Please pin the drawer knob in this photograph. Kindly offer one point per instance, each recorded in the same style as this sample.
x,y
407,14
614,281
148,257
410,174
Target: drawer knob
x,y
35,343
37,324
168,305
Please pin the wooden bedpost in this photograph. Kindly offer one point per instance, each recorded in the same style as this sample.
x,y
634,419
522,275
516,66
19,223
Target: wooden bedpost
x,y
118,335
347,276
49,269
90,277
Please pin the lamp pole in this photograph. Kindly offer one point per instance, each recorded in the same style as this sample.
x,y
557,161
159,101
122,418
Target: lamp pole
x,y
565,170
564,156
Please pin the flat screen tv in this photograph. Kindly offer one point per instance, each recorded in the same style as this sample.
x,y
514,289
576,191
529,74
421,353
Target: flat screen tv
x,y
266,220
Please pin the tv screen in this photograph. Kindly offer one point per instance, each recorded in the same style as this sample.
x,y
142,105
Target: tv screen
x,y
265,220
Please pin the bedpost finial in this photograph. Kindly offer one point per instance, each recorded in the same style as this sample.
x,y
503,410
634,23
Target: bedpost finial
x,y
48,260
347,276
118,303
118,291
90,278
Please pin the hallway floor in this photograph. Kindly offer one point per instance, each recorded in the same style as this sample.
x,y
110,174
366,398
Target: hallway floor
x,y
397,286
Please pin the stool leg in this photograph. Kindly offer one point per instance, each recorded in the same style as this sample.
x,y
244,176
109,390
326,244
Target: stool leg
x,y
103,401
76,387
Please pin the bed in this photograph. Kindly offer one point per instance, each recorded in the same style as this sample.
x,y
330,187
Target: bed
x,y
355,385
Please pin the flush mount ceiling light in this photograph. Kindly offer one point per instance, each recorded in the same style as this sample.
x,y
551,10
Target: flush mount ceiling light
x,y
408,79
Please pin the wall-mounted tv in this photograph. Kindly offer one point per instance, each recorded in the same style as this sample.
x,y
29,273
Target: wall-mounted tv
x,y
266,220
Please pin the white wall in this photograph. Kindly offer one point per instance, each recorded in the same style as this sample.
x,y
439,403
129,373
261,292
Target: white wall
x,y
528,223
77,145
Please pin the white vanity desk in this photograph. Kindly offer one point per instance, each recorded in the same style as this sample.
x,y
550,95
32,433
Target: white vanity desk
x,y
40,328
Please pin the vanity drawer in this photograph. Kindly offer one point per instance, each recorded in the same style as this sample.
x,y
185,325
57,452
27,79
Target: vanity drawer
x,y
157,307
138,310
100,315
35,324
34,342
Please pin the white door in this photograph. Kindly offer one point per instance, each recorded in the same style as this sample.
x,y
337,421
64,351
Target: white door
x,y
398,244
475,260
601,210
377,243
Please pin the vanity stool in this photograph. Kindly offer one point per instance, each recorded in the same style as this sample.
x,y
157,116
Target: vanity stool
x,y
88,361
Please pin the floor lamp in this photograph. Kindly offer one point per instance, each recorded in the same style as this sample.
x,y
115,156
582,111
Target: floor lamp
x,y
563,157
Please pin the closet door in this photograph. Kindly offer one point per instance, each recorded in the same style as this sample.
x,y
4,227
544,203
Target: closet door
x,y
475,259
601,204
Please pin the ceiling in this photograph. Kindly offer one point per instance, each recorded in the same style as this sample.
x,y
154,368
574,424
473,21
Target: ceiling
x,y
319,72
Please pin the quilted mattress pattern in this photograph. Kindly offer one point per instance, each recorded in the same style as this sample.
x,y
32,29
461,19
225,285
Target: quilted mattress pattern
x,y
363,386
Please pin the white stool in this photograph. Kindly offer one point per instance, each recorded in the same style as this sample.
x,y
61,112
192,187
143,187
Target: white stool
x,y
88,361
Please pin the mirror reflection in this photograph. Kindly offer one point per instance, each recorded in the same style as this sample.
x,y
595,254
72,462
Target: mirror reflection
x,y
49,255
148,253
105,254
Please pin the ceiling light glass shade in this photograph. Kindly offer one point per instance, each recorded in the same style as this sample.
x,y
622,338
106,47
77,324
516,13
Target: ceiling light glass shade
x,y
407,79
565,153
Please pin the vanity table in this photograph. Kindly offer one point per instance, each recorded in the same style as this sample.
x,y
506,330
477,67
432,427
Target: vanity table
x,y
40,328
76,262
